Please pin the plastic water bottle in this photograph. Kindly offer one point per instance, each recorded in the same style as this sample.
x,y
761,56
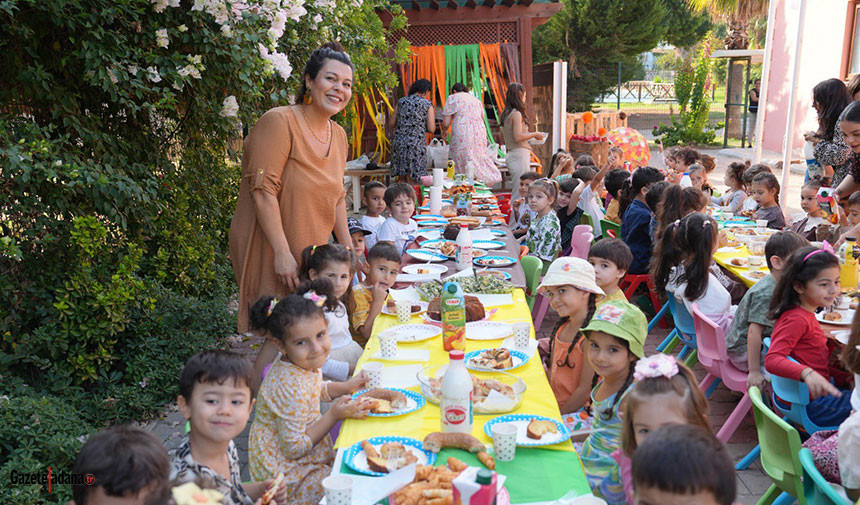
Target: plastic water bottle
x,y
686,182
464,248
813,168
456,402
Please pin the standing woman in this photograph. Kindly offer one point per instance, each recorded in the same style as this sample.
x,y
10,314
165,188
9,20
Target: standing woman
x,y
465,115
291,195
515,128
829,98
414,118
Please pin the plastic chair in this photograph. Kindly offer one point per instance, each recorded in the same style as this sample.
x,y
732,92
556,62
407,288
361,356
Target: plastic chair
x,y
711,347
581,244
684,333
815,488
524,250
780,446
586,219
797,394
607,226
631,282
532,267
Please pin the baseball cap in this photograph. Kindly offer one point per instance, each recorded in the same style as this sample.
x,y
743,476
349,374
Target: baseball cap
x,y
621,320
355,226
571,271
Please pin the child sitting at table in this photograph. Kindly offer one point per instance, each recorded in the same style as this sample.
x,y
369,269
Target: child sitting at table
x,y
399,229
215,398
652,200
807,222
683,464
523,215
569,213
369,298
636,223
750,204
129,465
570,287
809,281
544,234
358,234
676,203
733,199
289,434
615,180
610,258
664,392
751,324
615,338
681,268
333,262
373,197
588,202
765,190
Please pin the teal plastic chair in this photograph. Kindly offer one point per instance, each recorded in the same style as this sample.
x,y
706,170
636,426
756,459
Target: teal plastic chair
x,y
607,225
816,489
532,267
780,446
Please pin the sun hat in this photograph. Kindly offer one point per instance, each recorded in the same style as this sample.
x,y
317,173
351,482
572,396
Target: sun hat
x,y
573,272
355,227
621,320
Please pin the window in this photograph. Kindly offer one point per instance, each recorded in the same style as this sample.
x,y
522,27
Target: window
x,y
854,43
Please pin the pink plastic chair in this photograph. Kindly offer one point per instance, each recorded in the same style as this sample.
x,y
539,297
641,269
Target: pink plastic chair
x,y
580,243
711,345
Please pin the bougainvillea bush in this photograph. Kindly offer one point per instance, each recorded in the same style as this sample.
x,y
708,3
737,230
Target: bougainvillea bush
x,y
120,122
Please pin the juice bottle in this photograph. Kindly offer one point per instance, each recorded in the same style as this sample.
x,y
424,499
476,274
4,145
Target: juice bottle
x,y
848,263
453,304
450,169
456,402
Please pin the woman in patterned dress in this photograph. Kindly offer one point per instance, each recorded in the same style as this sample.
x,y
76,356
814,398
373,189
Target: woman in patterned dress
x,y
829,98
465,115
414,118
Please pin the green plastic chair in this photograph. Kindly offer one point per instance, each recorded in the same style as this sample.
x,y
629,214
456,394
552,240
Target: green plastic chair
x,y
780,446
532,266
816,489
586,219
607,225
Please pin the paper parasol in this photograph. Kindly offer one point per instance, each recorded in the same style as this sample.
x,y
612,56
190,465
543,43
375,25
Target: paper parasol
x,y
632,144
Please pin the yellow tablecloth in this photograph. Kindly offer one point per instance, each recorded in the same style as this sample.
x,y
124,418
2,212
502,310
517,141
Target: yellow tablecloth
x,y
538,398
723,259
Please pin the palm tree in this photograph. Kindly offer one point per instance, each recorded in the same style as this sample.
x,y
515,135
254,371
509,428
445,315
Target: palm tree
x,y
737,13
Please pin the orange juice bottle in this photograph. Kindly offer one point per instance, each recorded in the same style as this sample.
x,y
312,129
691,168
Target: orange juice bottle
x,y
453,304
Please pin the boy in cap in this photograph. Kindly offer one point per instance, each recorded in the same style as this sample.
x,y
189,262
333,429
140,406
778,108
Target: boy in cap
x,y
358,233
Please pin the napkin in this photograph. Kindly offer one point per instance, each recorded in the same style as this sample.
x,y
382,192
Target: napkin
x,y
496,402
370,490
418,277
508,343
430,234
422,355
483,234
468,272
404,377
494,300
406,294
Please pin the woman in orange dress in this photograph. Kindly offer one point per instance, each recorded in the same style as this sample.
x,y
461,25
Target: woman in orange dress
x,y
291,194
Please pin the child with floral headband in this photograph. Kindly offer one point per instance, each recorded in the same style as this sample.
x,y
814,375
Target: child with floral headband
x,y
664,392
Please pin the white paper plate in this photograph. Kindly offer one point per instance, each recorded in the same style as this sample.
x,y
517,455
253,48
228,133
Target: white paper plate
x,y
413,332
497,261
847,317
841,336
432,222
432,269
393,312
414,402
521,421
356,459
431,217
751,275
488,330
518,358
488,244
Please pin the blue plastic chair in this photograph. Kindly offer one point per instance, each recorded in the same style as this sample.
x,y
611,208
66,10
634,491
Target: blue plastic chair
x,y
684,333
797,394
816,489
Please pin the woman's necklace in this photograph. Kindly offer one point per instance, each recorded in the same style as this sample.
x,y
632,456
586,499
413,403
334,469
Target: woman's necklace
x,y
328,129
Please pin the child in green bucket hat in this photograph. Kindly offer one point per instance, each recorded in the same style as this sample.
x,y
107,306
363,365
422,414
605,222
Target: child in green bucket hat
x,y
616,338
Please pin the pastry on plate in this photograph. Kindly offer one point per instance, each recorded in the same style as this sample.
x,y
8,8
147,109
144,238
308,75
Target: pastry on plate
x,y
738,262
497,359
391,304
385,401
539,427
832,316
391,456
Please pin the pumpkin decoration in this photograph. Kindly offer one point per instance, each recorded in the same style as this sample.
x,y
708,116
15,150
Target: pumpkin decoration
x,y
587,117
602,132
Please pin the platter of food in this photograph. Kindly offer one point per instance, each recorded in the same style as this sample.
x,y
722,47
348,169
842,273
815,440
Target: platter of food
x,y
494,393
532,430
495,359
390,402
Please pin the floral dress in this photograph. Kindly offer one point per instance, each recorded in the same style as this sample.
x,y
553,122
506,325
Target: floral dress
x,y
544,237
289,402
409,148
601,470
469,138
836,153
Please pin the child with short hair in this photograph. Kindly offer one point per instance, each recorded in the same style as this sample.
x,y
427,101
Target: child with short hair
x,y
698,176
358,234
765,190
126,463
616,158
664,392
373,197
615,180
289,434
751,324
652,200
636,221
610,258
683,464
569,213
733,199
522,215
750,204
544,235
807,222
616,336
588,202
215,398
370,297
809,281
400,228
560,164
570,287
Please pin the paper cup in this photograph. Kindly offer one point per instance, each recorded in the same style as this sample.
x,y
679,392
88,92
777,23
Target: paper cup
x,y
504,441
373,372
761,223
728,215
755,261
338,489
438,177
522,332
388,345
404,311
436,198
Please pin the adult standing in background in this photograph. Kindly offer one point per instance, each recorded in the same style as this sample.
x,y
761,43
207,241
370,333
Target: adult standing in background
x,y
753,109
515,128
829,99
413,119
291,194
465,115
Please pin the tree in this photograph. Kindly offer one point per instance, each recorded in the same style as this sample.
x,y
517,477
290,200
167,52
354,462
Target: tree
x,y
597,35
738,15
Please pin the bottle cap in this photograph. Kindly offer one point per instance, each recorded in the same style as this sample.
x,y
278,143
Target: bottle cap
x,y
484,476
464,226
686,173
452,288
456,354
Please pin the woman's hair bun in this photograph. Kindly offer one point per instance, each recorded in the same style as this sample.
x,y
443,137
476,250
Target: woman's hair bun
x,y
334,46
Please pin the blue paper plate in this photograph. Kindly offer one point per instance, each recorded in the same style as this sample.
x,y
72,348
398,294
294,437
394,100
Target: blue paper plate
x,y
504,274
432,222
434,244
482,261
488,244
418,400
432,217
356,460
521,421
519,358
426,255
499,233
